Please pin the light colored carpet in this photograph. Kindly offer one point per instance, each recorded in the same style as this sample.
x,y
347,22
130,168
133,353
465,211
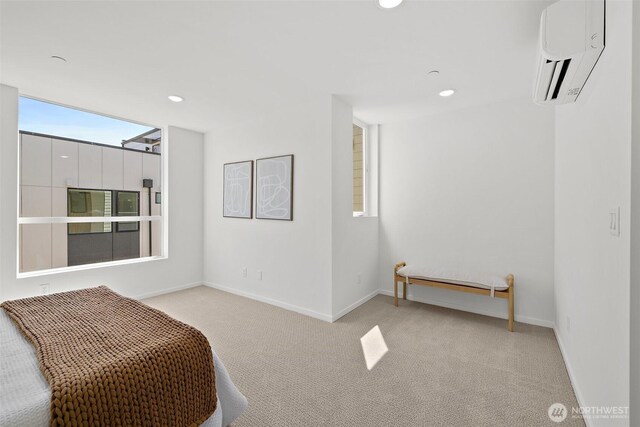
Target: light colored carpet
x,y
443,367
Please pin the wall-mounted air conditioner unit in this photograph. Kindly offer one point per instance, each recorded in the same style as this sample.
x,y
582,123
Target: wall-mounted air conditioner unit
x,y
572,37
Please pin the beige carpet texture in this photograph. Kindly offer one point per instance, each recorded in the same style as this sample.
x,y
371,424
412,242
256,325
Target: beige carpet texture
x,y
443,367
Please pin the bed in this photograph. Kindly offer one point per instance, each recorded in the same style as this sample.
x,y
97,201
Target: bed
x,y
479,284
26,395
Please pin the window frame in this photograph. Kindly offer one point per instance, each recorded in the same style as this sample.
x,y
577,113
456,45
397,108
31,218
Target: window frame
x,y
117,212
163,218
69,190
365,168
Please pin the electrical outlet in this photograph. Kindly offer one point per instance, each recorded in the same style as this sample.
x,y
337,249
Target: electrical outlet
x,y
568,324
44,289
614,222
244,272
259,274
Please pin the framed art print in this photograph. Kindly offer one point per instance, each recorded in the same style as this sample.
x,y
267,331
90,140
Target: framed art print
x,y
274,188
237,198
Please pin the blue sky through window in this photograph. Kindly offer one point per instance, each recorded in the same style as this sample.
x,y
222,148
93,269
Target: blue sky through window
x,y
52,119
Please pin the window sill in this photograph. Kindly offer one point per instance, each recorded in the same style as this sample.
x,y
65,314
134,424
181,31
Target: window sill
x,y
363,215
61,270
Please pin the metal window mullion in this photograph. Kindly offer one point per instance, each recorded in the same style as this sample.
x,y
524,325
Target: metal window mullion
x,y
84,219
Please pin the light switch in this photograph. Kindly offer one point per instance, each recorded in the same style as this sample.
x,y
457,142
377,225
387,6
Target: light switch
x,y
614,222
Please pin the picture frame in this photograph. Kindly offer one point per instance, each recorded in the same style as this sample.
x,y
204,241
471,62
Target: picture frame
x,y
274,188
237,192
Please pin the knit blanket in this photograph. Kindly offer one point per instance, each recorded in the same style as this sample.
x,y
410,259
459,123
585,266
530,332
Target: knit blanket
x,y
110,360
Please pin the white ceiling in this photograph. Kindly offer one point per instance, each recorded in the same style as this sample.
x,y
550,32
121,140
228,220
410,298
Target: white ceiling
x,y
233,59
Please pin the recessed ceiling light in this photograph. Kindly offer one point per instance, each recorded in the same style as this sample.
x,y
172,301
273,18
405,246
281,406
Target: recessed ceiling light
x,y
58,58
447,92
175,98
64,157
389,4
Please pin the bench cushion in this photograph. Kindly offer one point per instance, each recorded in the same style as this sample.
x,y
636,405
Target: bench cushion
x,y
456,277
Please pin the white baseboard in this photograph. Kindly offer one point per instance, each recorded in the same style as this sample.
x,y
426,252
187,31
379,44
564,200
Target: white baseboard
x,y
354,306
286,306
167,291
572,377
461,307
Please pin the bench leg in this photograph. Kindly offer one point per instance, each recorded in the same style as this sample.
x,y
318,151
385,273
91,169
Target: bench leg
x,y
395,290
511,309
404,290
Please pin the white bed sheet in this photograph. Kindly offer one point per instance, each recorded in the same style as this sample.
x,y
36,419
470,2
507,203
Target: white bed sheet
x,y
25,395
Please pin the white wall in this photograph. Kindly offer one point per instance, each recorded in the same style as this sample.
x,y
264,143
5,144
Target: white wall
x,y
294,256
635,225
311,264
354,240
593,159
8,186
472,190
182,268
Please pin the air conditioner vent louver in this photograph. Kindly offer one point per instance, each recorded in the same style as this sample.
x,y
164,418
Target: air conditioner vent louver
x,y
571,41
563,72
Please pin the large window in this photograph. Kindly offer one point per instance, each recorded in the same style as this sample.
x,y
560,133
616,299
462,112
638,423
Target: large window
x,y
88,189
359,170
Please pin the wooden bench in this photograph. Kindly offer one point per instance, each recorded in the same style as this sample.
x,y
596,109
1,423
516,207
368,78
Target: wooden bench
x,y
507,294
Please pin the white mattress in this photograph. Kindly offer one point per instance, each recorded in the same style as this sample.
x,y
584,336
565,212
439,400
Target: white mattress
x,y
25,394
459,278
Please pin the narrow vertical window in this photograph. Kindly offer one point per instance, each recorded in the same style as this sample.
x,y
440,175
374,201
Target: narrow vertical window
x,y
359,170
